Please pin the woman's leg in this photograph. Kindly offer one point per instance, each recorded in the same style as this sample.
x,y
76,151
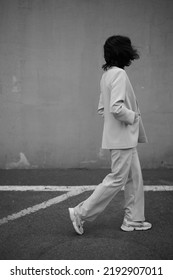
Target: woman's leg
x,y
134,191
89,209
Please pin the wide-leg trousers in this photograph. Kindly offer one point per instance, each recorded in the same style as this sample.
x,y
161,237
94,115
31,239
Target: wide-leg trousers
x,y
125,171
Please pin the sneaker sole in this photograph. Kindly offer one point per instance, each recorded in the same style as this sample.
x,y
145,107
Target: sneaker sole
x,y
125,228
72,217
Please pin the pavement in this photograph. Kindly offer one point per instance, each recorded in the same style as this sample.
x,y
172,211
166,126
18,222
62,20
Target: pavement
x,y
35,225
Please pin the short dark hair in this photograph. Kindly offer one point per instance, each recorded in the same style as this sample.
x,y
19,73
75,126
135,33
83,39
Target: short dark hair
x,y
118,51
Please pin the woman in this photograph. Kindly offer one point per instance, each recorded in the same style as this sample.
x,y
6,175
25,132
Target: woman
x,y
122,131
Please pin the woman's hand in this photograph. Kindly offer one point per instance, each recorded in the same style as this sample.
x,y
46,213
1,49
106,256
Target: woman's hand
x,y
137,117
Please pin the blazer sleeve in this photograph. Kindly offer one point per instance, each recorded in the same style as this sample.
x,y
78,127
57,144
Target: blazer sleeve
x,y
117,97
100,109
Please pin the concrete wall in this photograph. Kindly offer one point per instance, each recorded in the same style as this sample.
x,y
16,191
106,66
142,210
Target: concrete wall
x,y
50,69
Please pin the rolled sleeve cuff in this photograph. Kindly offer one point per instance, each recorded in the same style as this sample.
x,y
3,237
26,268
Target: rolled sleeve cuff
x,y
123,114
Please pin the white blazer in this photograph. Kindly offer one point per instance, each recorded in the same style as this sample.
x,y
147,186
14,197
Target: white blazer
x,y
118,105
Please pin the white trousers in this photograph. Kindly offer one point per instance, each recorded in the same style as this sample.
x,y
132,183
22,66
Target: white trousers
x,y
126,171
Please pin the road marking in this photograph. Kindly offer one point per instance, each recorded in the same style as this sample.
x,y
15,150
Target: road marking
x,y
46,188
71,191
42,205
70,188
158,188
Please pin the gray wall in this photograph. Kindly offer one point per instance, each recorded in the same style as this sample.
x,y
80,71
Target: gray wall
x,y
50,69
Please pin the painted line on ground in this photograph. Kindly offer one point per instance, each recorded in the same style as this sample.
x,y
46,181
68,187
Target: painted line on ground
x,y
71,191
46,188
40,206
70,188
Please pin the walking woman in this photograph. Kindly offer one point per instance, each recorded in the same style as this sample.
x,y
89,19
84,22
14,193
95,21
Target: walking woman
x,y
123,130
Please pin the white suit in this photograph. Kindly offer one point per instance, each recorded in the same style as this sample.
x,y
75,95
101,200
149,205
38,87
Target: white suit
x,y
121,133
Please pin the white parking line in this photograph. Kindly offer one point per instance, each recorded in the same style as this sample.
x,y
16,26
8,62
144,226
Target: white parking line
x,y
42,205
70,188
71,191
45,188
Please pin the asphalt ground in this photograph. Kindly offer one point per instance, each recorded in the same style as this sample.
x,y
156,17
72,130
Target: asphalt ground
x,y
161,176
47,234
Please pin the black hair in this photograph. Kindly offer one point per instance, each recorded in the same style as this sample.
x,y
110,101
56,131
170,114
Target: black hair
x,y
118,51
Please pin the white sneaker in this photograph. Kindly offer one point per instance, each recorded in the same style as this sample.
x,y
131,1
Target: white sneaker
x,y
130,226
76,221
